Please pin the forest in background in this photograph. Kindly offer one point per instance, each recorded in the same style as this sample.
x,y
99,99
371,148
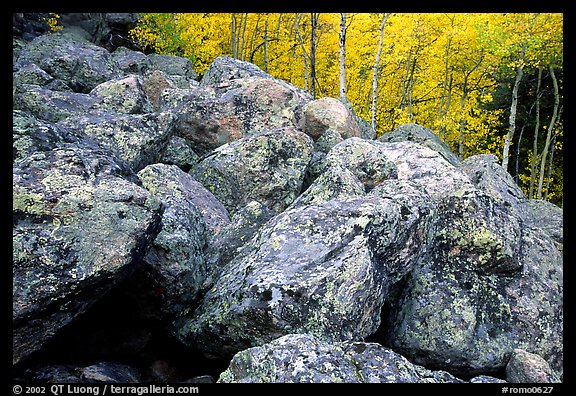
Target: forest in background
x,y
484,83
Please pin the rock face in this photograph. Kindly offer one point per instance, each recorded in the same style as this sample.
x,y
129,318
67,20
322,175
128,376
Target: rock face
x,y
232,228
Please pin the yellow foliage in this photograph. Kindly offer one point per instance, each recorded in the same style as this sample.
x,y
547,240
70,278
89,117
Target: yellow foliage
x,y
53,22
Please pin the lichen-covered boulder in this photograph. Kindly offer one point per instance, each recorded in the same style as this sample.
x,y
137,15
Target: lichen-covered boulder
x,y
138,139
328,113
225,68
33,75
210,116
364,158
526,367
173,65
175,263
179,153
337,182
545,216
421,135
320,269
52,106
30,135
123,95
487,174
79,63
303,358
489,285
425,166
229,241
267,167
131,62
79,227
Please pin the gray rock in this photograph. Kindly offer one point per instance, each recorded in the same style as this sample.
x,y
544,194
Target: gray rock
x,y
139,139
267,167
302,358
481,292
337,182
329,139
175,260
31,74
486,379
525,367
180,154
123,95
424,136
210,116
109,372
173,65
488,175
79,63
131,62
545,216
365,159
320,269
328,113
230,240
425,166
52,106
30,135
79,226
225,68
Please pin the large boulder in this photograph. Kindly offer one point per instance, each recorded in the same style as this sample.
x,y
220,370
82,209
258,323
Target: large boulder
x,y
139,139
328,113
79,227
225,68
123,95
52,105
424,136
302,358
210,116
267,167
175,262
367,160
319,269
80,63
489,285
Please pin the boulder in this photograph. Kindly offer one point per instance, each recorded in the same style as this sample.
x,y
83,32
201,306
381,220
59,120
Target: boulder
x,y
525,367
79,225
131,62
124,95
180,154
50,105
138,139
229,241
328,113
174,264
173,65
210,116
302,358
481,292
79,63
225,68
365,159
267,167
425,166
486,173
30,135
424,136
320,269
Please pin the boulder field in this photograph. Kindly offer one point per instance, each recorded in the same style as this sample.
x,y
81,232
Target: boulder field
x,y
230,228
